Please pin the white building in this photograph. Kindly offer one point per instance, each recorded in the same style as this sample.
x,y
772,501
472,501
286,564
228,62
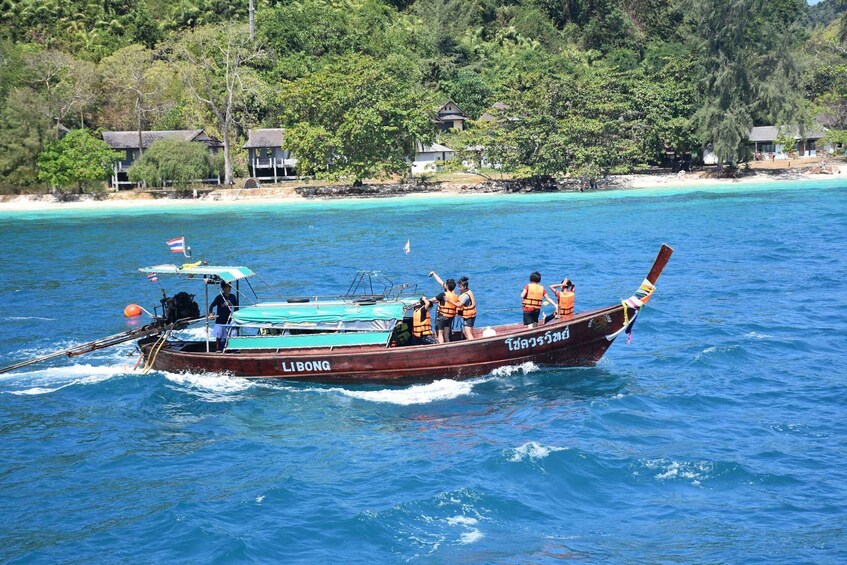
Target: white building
x,y
763,139
430,158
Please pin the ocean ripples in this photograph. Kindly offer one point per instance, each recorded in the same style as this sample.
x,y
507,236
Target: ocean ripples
x,y
715,436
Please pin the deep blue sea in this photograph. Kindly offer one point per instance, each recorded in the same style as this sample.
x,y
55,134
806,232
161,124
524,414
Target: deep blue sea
x,y
719,435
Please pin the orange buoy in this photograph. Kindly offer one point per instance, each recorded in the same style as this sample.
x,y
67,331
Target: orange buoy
x,y
132,310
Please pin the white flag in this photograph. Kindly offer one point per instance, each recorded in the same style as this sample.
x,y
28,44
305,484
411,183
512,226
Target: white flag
x,y
408,247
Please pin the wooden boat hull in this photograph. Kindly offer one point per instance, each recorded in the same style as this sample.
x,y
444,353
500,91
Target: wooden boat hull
x,y
578,342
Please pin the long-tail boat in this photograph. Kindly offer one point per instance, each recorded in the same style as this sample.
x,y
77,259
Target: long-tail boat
x,y
355,338
350,340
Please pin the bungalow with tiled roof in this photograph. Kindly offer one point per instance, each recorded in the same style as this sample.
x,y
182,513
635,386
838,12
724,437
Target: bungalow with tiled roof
x,y
266,158
127,143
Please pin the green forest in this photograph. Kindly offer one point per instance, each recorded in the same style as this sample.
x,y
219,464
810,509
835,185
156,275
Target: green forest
x,y
581,88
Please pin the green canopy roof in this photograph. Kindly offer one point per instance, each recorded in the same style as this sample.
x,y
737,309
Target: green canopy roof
x,y
227,274
329,311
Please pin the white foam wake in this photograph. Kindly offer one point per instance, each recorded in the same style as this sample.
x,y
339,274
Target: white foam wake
x,y
531,450
51,379
669,470
445,389
211,387
471,533
508,371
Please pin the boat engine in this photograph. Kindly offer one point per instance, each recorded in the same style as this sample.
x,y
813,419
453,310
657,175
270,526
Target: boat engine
x,y
181,306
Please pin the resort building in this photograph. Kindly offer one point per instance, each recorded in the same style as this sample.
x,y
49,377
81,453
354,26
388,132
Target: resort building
x,y
450,116
127,142
430,158
266,158
763,140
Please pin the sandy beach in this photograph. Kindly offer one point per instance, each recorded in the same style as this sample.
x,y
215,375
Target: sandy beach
x,y
289,192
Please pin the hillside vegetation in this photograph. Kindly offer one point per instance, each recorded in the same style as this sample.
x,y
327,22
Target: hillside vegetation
x,y
582,87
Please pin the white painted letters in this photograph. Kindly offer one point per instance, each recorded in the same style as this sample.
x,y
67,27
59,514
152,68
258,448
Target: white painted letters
x,y
305,366
516,344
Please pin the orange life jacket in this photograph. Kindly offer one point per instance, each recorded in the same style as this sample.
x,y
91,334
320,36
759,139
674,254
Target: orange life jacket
x,y
468,311
534,296
448,309
566,303
421,324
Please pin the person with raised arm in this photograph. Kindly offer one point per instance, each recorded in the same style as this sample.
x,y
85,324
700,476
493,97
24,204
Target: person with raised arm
x,y
565,294
448,305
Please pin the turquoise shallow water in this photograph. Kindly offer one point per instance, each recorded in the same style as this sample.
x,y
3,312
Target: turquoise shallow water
x,y
716,436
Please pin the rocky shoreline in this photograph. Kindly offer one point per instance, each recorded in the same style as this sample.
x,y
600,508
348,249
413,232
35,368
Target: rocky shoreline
x,y
490,186
313,191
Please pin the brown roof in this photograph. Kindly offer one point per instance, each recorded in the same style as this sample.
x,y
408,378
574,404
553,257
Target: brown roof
x,y
499,108
129,139
265,138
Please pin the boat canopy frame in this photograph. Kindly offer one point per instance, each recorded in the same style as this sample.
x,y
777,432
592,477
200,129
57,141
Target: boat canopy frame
x,y
364,284
208,272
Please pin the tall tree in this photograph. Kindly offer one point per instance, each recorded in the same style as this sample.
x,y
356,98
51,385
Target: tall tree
x,y
67,85
355,119
175,160
142,82
586,123
214,64
746,69
76,159
24,130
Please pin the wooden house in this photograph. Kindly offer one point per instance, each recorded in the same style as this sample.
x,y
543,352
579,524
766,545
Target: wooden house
x,y
126,142
266,159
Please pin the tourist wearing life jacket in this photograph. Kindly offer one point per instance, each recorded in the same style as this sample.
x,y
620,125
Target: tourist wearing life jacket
x,y
422,323
448,305
532,297
565,294
468,307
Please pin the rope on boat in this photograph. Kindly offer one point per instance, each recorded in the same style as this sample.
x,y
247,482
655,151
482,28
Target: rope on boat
x,y
155,352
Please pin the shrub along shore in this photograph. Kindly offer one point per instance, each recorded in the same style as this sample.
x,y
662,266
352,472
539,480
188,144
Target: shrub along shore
x,y
293,192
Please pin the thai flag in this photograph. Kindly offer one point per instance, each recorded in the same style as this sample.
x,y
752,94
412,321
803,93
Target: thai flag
x,y
152,277
177,245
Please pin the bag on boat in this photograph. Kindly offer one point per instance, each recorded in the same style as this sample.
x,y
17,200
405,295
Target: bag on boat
x,y
180,307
